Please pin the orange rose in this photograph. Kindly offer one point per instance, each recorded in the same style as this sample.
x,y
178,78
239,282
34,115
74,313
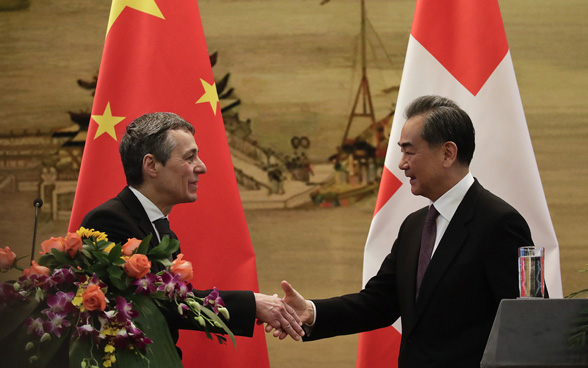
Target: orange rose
x,y
73,244
182,268
137,266
93,298
35,269
53,243
7,258
130,246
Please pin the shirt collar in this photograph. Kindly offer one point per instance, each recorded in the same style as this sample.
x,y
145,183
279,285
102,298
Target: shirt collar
x,y
447,204
151,209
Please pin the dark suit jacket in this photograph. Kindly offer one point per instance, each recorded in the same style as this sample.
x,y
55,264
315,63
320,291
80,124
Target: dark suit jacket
x,y
473,268
123,217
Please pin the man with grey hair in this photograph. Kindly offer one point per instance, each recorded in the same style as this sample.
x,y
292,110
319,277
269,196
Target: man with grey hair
x,y
162,168
452,262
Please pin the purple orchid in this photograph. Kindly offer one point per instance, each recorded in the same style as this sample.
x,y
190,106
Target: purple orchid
x,y
181,290
125,310
57,324
35,326
60,302
142,343
170,283
8,295
182,309
84,328
214,300
146,285
59,277
33,280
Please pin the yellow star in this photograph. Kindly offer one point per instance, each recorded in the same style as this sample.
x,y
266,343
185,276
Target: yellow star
x,y
146,6
209,95
106,122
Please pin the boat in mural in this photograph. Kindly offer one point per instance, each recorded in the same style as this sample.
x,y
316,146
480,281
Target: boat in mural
x,y
358,161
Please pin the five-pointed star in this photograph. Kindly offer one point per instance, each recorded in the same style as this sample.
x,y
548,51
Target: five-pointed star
x,y
146,6
209,95
106,122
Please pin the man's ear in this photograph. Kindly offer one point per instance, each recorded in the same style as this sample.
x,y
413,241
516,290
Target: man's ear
x,y
149,165
449,153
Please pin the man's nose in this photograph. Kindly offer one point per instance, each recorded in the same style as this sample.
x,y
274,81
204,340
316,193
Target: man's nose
x,y
200,167
403,163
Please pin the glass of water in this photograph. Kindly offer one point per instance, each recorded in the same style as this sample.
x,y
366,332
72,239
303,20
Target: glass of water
x,y
531,278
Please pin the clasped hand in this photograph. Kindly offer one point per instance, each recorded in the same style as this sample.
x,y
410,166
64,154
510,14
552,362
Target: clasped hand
x,y
278,315
297,307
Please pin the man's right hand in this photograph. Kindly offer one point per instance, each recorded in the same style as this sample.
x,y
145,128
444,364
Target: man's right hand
x,y
302,307
278,315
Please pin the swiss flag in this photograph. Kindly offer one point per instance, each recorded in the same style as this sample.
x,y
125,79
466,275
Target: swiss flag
x,y
155,59
458,49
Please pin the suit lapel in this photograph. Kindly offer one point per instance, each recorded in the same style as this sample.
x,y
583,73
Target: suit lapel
x,y
449,247
136,209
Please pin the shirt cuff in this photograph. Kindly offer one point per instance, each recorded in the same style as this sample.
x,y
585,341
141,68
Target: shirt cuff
x,y
314,315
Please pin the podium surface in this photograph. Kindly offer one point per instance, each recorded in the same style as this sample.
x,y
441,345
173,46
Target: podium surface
x,y
535,333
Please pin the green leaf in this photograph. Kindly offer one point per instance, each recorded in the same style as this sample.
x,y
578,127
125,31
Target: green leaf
x,y
81,349
210,314
62,257
162,353
173,246
164,261
115,253
118,278
160,250
131,358
87,253
144,246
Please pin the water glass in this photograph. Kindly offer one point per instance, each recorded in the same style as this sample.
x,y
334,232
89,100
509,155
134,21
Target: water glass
x,y
531,278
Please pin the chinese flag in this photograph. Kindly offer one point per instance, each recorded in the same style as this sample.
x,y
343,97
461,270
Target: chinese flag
x,y
458,49
155,59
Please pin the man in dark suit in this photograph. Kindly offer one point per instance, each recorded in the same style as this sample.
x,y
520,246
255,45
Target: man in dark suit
x,y
452,263
162,168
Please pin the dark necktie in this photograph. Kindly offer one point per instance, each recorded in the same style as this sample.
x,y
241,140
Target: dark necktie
x,y
162,226
427,244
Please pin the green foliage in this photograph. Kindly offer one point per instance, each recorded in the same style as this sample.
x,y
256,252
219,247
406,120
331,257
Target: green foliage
x,y
101,263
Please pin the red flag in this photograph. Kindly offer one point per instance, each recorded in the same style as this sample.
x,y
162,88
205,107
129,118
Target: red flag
x,y
155,59
458,49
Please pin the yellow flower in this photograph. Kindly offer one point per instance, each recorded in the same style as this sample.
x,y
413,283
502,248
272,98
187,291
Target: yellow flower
x,y
109,357
110,331
78,300
109,248
88,233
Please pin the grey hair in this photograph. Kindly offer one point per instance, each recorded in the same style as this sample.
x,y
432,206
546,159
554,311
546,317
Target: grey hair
x,y
149,134
445,121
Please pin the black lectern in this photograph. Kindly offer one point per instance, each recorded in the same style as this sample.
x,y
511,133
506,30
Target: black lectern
x,y
534,333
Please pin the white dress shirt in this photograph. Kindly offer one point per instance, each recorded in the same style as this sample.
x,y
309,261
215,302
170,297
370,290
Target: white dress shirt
x,y
447,204
153,212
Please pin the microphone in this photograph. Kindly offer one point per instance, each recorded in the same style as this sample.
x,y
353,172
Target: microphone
x,y
37,203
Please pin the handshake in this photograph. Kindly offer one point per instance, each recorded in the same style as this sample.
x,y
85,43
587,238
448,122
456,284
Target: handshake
x,y
284,316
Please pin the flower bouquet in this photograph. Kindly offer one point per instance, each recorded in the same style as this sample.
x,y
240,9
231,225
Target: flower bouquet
x,y
91,303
